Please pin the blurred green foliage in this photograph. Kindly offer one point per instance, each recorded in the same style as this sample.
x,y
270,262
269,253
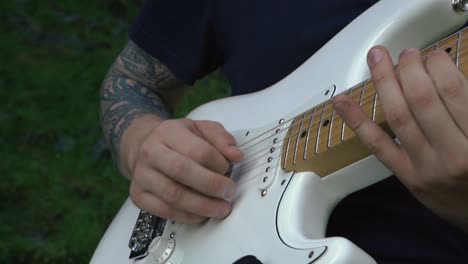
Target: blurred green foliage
x,y
59,187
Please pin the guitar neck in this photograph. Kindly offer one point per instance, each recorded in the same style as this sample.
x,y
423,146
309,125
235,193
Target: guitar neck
x,y
318,140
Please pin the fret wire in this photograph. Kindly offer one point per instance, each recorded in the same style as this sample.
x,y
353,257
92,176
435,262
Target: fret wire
x,y
298,135
374,107
320,127
312,115
344,125
362,92
331,128
461,52
289,141
375,95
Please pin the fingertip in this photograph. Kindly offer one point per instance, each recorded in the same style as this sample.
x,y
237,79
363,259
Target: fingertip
x,y
224,211
375,55
233,153
341,103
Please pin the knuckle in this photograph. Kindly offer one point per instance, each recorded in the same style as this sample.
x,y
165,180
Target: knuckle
x,y
213,184
178,168
145,151
173,193
372,144
205,207
200,155
396,118
451,87
420,97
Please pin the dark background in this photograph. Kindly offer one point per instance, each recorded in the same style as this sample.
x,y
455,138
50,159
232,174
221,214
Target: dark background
x,y
59,188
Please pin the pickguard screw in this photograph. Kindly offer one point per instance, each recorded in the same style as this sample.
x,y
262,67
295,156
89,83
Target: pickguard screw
x,y
264,193
281,121
247,133
265,179
172,235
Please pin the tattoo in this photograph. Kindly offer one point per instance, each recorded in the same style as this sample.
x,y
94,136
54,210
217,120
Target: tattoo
x,y
132,89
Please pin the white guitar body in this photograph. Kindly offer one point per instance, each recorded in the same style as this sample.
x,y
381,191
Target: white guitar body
x,y
281,217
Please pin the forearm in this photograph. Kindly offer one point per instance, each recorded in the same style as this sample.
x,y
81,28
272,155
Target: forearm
x,y
122,102
131,92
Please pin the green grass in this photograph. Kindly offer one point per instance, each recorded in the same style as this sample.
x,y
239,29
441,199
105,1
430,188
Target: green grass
x,y
57,193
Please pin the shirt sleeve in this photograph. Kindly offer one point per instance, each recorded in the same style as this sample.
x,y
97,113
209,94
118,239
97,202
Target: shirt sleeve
x,y
180,34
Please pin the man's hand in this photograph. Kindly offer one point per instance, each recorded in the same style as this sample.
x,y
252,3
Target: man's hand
x,y
178,170
425,103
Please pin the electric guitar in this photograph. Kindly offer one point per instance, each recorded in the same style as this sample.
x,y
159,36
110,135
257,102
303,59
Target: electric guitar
x,y
300,158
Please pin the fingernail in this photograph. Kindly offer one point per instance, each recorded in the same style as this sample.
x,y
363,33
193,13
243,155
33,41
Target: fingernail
x,y
223,211
375,55
407,51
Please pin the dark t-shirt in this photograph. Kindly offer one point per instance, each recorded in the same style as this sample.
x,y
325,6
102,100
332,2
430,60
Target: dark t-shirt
x,y
257,43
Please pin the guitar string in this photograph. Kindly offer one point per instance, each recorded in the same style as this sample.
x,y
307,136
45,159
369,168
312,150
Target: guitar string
x,y
320,112
290,120
333,134
364,103
436,45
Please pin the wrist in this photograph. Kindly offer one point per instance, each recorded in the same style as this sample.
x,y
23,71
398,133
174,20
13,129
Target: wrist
x,y
132,138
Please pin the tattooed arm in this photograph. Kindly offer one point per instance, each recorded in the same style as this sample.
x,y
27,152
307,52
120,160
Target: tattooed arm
x,y
136,86
176,166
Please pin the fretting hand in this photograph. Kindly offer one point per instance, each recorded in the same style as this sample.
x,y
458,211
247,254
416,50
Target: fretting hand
x,y
425,103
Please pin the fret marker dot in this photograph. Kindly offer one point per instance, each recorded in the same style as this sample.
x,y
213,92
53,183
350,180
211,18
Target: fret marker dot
x,y
303,134
326,123
448,50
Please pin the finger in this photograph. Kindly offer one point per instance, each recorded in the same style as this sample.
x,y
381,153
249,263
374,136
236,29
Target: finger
x,y
194,147
451,86
191,174
424,101
183,198
395,108
221,139
158,207
376,140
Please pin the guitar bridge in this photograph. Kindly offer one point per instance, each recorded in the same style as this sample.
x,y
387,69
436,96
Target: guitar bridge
x,y
147,227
